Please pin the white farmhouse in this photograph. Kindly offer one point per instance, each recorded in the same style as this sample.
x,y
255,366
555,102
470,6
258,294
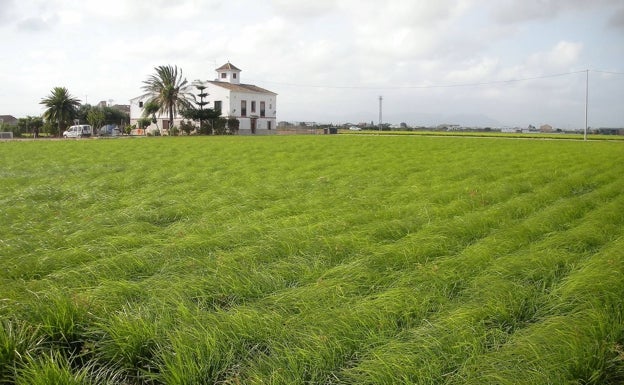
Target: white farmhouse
x,y
254,107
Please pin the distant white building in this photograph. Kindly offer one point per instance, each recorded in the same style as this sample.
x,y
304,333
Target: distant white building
x,y
254,107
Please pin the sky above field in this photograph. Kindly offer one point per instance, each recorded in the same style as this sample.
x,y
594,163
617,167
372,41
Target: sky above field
x,y
469,62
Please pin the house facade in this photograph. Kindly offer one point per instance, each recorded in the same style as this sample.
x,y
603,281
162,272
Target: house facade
x,y
254,107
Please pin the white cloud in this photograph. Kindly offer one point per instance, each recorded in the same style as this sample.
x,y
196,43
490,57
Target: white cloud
x,y
402,29
562,57
474,71
349,51
302,9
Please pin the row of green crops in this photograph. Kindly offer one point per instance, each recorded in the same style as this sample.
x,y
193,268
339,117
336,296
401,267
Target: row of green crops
x,y
490,134
311,260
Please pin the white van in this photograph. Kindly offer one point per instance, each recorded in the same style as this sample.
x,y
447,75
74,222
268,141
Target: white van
x,y
78,131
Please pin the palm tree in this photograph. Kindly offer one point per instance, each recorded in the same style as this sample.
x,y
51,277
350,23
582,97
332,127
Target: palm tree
x,y
169,90
61,107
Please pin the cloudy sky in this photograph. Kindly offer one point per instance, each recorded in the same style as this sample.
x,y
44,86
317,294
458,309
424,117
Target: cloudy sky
x,y
471,62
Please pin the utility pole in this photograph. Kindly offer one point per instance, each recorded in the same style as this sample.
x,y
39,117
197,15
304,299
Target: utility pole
x,y
586,101
380,121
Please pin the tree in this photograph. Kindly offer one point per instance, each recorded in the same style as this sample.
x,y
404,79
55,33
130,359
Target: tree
x,y
187,126
82,112
169,90
144,122
219,126
96,118
113,115
61,108
30,124
233,125
199,115
149,111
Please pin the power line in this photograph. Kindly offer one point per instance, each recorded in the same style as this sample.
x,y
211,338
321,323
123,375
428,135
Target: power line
x,y
607,72
454,85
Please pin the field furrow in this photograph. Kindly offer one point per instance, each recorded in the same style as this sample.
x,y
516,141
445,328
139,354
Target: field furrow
x,y
312,260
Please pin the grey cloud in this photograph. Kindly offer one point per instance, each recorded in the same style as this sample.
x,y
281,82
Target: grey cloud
x,y
36,24
518,11
6,9
33,24
617,19
513,11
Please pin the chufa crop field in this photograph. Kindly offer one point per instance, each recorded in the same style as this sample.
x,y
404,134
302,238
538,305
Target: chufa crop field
x,y
329,259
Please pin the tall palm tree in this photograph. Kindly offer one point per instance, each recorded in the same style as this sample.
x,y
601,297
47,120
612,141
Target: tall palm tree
x,y
169,90
61,107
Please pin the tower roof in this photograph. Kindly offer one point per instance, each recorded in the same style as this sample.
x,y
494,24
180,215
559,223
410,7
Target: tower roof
x,y
228,66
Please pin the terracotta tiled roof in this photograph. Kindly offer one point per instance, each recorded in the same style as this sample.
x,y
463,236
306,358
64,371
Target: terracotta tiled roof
x,y
228,66
242,87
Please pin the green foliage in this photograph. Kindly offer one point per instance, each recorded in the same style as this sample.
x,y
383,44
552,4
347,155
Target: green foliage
x,y
342,259
233,125
114,116
29,124
150,109
127,341
50,128
96,117
205,117
52,369
169,90
187,127
144,122
61,108
11,128
219,126
200,115
18,342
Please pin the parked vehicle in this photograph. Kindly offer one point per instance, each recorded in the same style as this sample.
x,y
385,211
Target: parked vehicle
x,y
109,130
78,131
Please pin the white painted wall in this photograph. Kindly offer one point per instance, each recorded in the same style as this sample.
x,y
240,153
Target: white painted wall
x,y
230,107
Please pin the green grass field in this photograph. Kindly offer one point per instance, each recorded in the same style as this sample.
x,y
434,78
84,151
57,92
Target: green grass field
x,y
331,259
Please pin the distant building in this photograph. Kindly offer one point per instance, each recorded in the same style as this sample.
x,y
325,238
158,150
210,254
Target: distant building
x,y
511,130
125,108
8,119
546,128
254,107
610,131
